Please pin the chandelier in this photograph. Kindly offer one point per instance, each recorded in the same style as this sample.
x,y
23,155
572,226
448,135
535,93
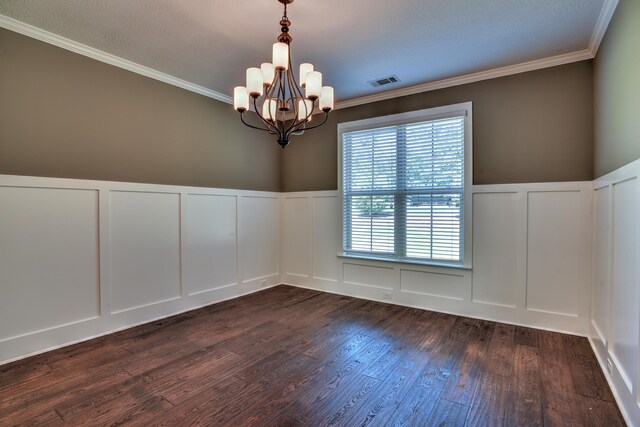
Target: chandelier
x,y
274,94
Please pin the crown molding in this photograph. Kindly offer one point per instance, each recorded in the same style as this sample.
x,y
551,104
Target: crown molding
x,y
56,40
602,24
471,78
604,19
608,9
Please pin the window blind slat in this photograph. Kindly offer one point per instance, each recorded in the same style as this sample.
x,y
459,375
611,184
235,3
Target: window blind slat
x,y
403,189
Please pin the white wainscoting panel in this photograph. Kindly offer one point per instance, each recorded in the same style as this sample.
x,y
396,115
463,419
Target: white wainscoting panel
x,y
260,237
48,259
600,285
297,237
145,249
79,259
615,313
448,285
368,275
496,288
626,310
555,264
496,249
326,237
75,253
210,243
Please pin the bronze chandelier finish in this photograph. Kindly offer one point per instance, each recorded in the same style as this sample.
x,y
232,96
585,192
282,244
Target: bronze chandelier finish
x,y
283,109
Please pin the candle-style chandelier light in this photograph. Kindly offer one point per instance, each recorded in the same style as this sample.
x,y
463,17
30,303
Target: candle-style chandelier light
x,y
276,97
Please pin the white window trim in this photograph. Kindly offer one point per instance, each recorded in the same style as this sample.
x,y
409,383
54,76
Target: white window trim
x,y
465,108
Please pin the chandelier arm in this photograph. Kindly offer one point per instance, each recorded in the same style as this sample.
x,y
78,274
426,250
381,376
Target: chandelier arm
x,y
298,126
267,123
280,90
326,117
302,125
269,95
292,99
252,126
292,75
283,84
297,91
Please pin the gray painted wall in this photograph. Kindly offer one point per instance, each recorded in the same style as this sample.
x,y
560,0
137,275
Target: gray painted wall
x,y
65,115
617,91
531,127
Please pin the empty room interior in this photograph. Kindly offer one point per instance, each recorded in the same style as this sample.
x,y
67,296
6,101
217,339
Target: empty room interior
x,y
309,213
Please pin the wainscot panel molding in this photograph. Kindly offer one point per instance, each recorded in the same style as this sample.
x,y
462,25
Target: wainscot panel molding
x,y
531,257
615,290
80,258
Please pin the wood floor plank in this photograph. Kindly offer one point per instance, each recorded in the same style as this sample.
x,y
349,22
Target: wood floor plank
x,y
489,407
441,324
180,381
322,371
46,418
525,406
249,404
597,413
296,357
559,399
491,399
392,390
20,372
56,383
330,401
166,352
23,409
501,350
588,378
348,334
386,362
422,395
448,413
465,381
284,420
526,336
203,406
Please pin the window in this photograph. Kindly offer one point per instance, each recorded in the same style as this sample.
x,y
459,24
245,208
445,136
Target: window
x,y
404,181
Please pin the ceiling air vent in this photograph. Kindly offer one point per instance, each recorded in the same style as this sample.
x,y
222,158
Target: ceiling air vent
x,y
384,81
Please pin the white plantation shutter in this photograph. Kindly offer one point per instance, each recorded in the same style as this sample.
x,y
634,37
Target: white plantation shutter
x,y
403,190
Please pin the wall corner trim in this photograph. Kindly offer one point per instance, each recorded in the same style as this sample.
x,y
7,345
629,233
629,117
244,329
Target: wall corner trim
x,y
608,9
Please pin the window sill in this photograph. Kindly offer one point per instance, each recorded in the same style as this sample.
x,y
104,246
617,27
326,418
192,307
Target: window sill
x,y
405,261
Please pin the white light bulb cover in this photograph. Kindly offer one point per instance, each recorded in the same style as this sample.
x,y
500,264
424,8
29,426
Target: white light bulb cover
x,y
268,73
254,81
326,98
314,85
281,56
270,109
240,98
305,108
304,69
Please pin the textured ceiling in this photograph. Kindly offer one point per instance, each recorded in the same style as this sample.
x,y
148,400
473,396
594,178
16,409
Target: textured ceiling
x,y
211,42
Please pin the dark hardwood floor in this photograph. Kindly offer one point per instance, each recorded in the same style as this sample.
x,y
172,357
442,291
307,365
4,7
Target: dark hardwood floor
x,y
294,357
